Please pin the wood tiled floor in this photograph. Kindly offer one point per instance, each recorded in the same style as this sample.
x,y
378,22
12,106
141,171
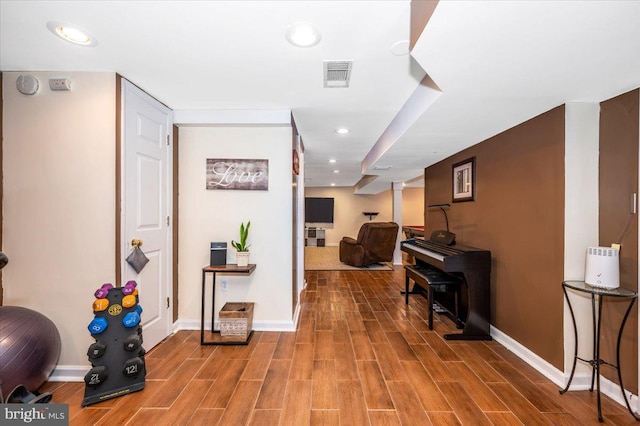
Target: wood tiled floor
x,y
360,357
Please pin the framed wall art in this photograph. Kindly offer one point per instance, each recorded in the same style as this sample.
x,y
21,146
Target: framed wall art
x,y
464,180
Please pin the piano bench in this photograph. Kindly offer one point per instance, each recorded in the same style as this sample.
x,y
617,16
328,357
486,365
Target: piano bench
x,y
433,281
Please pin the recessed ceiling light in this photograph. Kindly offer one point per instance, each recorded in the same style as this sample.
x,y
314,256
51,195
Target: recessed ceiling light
x,y
342,131
336,171
303,34
332,161
72,34
333,184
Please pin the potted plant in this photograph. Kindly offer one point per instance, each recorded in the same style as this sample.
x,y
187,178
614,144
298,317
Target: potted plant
x,y
242,248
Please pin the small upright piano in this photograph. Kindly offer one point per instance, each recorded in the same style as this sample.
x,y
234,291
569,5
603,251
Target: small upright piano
x,y
473,266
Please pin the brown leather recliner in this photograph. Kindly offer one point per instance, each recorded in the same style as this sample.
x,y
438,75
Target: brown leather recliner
x,y
376,243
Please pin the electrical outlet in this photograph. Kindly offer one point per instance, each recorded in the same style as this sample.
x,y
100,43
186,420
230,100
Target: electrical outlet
x,y
225,285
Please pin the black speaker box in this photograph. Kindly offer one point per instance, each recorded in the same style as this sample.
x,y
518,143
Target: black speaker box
x,y
218,254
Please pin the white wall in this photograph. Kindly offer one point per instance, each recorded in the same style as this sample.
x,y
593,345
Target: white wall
x,y
59,201
582,126
215,215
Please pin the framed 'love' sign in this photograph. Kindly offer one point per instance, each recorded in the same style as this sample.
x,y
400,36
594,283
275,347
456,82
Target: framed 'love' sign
x,y
238,174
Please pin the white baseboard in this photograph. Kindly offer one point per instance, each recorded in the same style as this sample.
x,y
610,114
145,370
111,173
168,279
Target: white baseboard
x,y
579,382
69,373
192,324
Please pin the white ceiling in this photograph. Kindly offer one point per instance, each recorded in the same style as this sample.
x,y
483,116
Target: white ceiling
x,y
497,64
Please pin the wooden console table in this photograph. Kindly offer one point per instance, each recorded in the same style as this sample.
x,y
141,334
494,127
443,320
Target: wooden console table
x,y
220,269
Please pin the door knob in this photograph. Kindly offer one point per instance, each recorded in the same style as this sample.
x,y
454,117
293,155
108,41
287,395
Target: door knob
x,y
136,242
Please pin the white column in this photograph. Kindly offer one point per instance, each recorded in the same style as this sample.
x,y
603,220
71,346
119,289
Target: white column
x,y
582,126
397,218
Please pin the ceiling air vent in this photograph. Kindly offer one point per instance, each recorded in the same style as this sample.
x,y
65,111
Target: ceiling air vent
x,y
337,73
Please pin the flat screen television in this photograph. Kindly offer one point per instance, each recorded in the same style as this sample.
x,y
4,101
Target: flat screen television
x,y
318,212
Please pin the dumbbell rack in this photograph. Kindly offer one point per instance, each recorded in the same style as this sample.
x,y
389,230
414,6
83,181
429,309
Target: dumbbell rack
x,y
117,356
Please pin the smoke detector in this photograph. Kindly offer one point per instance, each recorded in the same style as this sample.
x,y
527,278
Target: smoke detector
x,y
337,73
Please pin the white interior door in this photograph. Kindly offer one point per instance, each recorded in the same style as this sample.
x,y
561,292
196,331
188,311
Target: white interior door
x,y
146,204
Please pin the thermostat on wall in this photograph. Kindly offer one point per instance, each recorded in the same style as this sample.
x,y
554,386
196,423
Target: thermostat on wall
x,y
59,84
27,84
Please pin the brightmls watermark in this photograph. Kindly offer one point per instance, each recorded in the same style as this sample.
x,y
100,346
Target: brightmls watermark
x,y
34,414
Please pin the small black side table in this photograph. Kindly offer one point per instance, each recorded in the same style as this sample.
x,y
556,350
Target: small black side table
x,y
220,269
598,293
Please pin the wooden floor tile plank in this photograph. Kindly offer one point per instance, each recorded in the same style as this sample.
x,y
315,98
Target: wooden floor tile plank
x,y
346,367
265,417
259,362
408,407
353,408
149,416
433,364
325,418
518,404
171,363
389,362
206,417
325,389
297,406
526,387
464,407
504,419
129,404
285,346
425,388
167,394
223,387
384,418
440,346
90,416
443,418
362,345
477,363
375,332
373,384
241,404
183,408
400,346
324,345
302,363
274,386
476,388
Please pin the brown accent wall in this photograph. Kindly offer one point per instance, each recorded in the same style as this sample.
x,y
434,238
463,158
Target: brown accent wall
x,y
617,224
518,215
421,11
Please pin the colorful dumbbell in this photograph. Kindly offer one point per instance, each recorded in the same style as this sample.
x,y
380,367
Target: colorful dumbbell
x,y
102,292
129,288
100,305
139,309
96,376
98,325
128,301
131,319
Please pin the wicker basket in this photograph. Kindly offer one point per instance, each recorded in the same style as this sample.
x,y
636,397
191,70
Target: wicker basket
x,y
236,319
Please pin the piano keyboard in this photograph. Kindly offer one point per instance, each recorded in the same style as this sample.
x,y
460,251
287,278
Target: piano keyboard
x,y
435,250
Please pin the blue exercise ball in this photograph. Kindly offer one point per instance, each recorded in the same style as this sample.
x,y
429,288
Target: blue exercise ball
x,y
29,348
